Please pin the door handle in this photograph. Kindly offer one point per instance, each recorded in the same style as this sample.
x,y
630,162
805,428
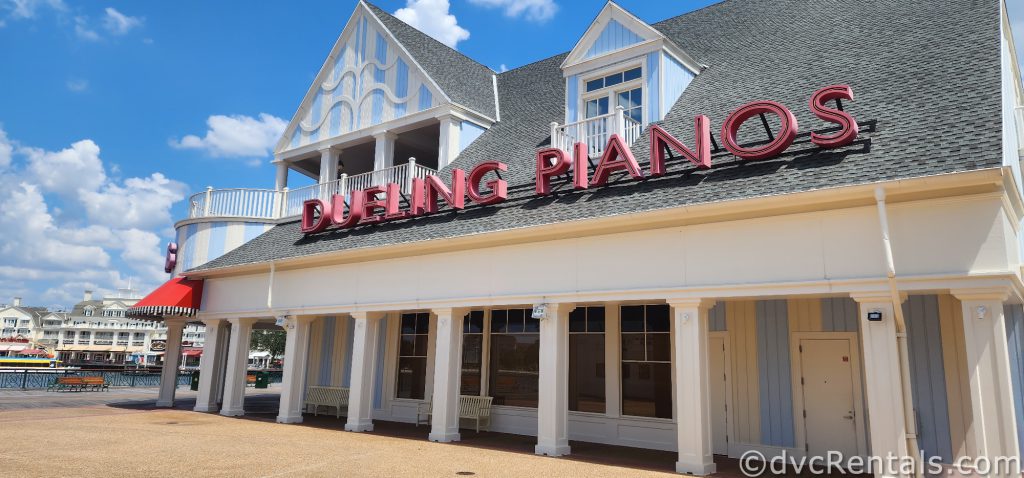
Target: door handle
x,y
849,417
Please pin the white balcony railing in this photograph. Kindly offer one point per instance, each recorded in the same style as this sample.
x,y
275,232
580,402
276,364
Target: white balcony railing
x,y
271,204
594,132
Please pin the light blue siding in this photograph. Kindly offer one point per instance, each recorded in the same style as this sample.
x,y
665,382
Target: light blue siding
x,y
775,382
315,111
716,318
218,240
327,351
468,133
346,374
378,382
401,86
652,90
379,76
677,78
188,253
572,98
927,375
425,98
1015,338
615,36
253,229
838,314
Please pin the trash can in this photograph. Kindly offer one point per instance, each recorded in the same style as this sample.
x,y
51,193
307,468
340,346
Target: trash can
x,y
195,380
262,379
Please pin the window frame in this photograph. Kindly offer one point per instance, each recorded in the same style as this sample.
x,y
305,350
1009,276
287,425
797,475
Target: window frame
x,y
612,92
427,357
604,348
622,360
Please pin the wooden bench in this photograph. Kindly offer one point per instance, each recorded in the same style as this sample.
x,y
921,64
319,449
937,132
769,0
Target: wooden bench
x,y
470,406
78,384
250,380
321,396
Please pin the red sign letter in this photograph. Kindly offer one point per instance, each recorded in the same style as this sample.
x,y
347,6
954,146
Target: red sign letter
x,y
393,209
311,223
660,139
371,204
355,209
550,162
849,129
581,166
498,187
616,156
785,137
455,197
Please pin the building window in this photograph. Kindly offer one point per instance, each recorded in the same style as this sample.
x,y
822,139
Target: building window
x,y
472,353
624,89
586,360
412,355
88,312
515,353
646,361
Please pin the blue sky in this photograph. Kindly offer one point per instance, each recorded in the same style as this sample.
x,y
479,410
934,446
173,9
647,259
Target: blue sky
x,y
112,112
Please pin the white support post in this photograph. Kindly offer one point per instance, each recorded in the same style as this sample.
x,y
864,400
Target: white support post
x,y
206,202
994,426
281,180
364,354
410,173
620,121
296,354
555,140
448,142
238,364
210,366
223,339
172,355
444,425
692,389
553,382
384,150
328,171
882,382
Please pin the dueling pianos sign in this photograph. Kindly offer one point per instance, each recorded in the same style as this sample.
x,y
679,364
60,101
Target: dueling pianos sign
x,y
366,207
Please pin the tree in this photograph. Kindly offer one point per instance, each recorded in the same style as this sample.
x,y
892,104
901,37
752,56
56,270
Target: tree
x,y
268,341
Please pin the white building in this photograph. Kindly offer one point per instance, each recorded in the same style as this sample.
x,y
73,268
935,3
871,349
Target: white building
x,y
726,248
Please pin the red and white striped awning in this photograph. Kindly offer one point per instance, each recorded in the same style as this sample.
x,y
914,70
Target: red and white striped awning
x,y
178,297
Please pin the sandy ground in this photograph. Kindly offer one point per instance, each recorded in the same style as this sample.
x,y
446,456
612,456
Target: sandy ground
x,y
101,440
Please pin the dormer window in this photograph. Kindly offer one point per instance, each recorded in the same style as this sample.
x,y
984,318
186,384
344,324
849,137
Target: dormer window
x,y
88,311
622,88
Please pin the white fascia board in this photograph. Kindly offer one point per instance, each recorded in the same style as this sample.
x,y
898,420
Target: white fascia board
x,y
631,52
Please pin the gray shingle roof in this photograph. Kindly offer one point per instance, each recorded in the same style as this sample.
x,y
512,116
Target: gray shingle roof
x,y
465,81
926,80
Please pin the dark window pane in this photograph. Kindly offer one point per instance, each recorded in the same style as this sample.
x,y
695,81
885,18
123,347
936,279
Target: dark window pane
x,y
472,352
611,80
515,321
633,346
411,377
514,366
422,323
631,74
586,373
407,346
657,318
474,322
578,320
499,321
633,318
595,84
408,323
595,319
421,346
532,325
623,100
647,390
659,347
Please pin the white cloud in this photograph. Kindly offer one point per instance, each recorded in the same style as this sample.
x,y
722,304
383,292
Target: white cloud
x,y
77,85
68,170
28,8
432,17
236,136
140,202
533,10
6,149
83,31
502,68
118,23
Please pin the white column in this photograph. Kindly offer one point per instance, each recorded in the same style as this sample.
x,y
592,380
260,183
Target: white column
x,y
692,391
364,356
553,382
994,426
172,354
281,180
210,365
444,425
328,165
883,387
296,354
448,141
238,362
384,150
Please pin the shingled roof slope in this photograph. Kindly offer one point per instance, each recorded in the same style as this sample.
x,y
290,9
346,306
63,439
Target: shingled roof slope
x,y
921,113
465,81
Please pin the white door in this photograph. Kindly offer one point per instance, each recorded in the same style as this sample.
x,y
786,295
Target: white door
x,y
718,381
829,396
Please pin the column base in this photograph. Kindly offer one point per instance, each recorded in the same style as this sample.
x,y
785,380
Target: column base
x,y
232,413
697,469
165,403
289,419
552,450
444,437
205,408
359,426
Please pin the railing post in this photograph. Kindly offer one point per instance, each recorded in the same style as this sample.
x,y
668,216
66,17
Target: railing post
x,y
620,121
409,175
343,186
24,378
206,203
283,206
554,133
